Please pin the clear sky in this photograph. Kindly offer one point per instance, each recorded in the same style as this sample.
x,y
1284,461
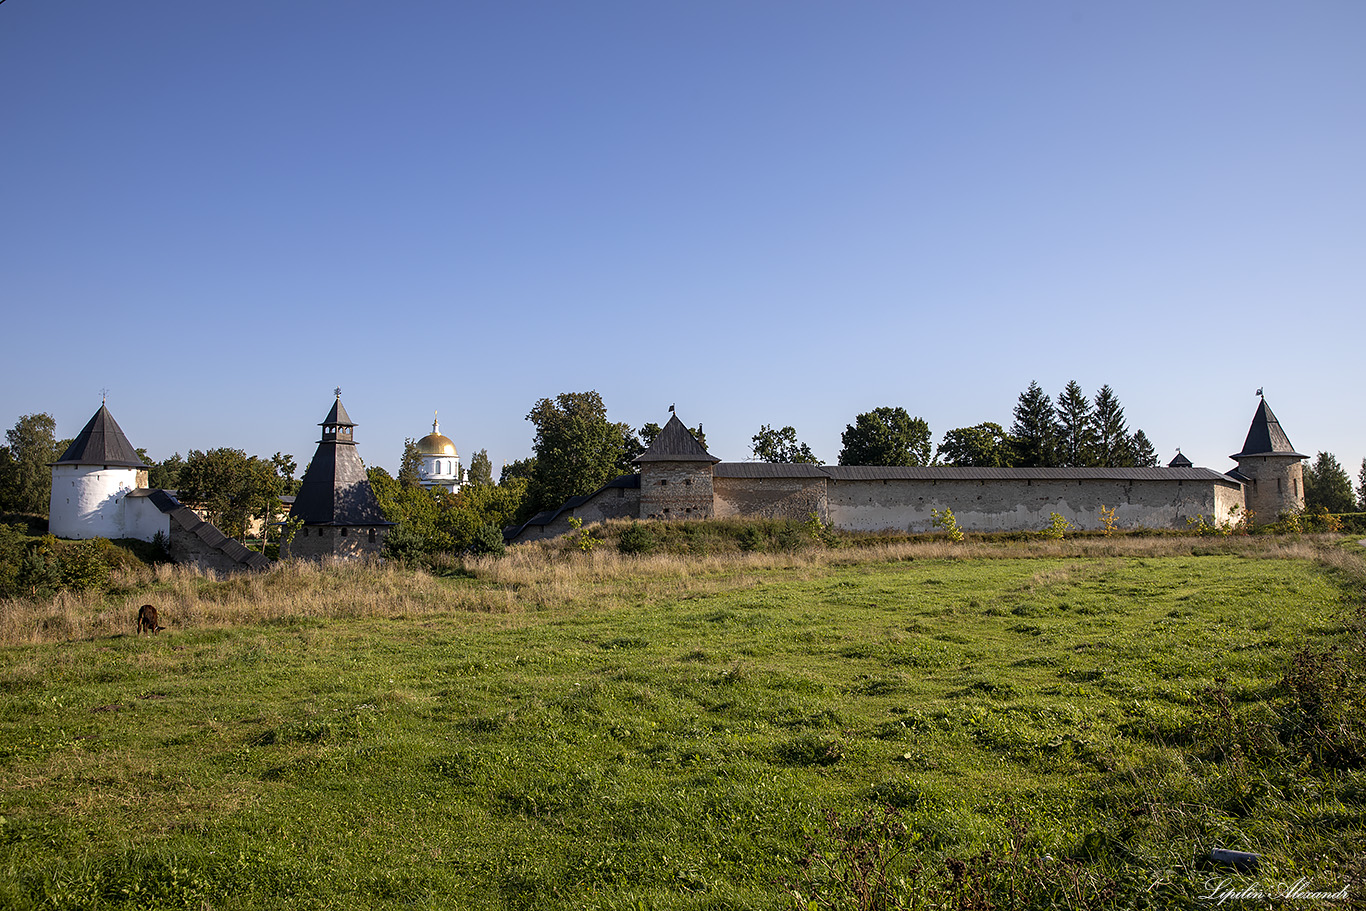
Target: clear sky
x,y
781,212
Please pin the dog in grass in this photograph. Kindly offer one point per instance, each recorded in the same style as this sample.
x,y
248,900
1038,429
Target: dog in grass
x,y
148,620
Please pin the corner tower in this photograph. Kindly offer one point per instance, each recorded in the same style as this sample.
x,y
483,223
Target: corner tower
x,y
341,516
676,476
90,480
1270,469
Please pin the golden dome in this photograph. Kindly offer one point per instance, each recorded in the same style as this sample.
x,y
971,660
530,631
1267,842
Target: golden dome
x,y
436,444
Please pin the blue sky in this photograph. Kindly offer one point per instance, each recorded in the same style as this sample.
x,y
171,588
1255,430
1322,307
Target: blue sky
x,y
764,212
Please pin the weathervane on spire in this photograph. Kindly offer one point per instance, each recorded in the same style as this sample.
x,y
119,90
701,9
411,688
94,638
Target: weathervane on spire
x,y
1259,392
337,391
104,395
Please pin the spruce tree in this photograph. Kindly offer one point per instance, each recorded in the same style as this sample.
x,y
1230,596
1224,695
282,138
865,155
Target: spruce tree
x,y
1112,446
1035,430
1076,437
1142,453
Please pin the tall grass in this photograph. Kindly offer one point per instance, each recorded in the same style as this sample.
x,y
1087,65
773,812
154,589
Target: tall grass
x,y
552,575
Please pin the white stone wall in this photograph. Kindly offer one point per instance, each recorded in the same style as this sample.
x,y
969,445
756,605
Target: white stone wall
x,y
142,520
87,501
996,505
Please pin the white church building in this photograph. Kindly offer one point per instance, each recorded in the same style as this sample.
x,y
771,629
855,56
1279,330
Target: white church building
x,y
440,462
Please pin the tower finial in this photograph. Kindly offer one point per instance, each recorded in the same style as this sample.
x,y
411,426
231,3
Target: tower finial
x,y
337,392
104,395
1259,392
434,424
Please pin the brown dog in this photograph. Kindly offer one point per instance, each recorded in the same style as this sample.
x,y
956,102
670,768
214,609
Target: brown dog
x,y
147,620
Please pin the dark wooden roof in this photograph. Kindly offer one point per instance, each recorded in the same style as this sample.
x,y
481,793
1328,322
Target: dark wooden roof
x,y
335,489
954,473
337,416
675,443
1265,436
101,442
1180,461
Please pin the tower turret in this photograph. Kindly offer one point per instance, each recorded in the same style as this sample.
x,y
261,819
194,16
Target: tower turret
x,y
1270,469
676,475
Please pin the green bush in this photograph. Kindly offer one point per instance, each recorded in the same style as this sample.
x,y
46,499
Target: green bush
x,y
488,542
636,539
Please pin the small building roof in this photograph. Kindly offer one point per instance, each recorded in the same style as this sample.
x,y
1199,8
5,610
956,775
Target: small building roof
x,y
337,416
101,442
1266,437
675,443
1180,461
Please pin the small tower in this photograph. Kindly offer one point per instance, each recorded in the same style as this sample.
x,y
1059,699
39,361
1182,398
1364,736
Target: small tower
x,y
1270,469
90,480
440,462
341,516
676,476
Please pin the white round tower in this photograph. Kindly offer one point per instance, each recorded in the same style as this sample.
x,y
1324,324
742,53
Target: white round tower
x,y
90,480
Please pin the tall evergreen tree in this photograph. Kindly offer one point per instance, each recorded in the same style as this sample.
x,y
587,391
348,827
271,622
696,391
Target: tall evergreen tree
x,y
1076,436
1035,431
1326,484
1112,446
1142,453
410,468
1361,487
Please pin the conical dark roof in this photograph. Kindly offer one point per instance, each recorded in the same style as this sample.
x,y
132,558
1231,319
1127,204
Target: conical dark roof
x,y
101,443
675,443
1180,461
337,416
1265,436
335,489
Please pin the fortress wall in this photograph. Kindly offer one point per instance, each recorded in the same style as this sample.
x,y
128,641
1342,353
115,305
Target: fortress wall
x,y
771,498
676,490
608,503
1001,505
316,541
1278,485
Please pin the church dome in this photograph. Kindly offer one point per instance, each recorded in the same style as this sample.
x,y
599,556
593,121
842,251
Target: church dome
x,y
436,443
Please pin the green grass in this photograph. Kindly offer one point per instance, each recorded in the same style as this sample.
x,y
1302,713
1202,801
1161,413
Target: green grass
x,y
681,751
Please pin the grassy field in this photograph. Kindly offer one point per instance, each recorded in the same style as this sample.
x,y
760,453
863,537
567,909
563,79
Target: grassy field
x,y
1071,725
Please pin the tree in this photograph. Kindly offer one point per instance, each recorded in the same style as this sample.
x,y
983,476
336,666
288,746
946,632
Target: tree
x,y
1141,450
231,487
577,449
410,468
1035,430
886,436
1361,487
481,469
1111,445
1076,436
519,468
25,470
1326,484
984,445
285,466
781,446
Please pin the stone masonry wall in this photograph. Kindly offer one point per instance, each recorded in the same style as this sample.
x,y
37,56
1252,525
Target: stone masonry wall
x,y
317,541
771,498
676,490
608,503
999,505
1277,485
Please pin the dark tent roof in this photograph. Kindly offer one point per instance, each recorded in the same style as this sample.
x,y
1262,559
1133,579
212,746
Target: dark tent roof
x,y
101,443
335,489
337,416
1180,461
675,443
1265,436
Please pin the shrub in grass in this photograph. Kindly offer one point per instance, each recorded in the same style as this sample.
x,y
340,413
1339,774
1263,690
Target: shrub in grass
x,y
488,542
636,539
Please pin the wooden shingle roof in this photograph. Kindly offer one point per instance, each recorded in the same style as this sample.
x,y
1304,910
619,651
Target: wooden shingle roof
x,y
101,442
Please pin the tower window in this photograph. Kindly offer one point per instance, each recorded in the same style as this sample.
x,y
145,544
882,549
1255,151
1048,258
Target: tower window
x,y
343,531
372,536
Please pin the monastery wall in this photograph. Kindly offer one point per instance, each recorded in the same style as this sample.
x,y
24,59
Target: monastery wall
x,y
318,541
1010,505
770,498
676,490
